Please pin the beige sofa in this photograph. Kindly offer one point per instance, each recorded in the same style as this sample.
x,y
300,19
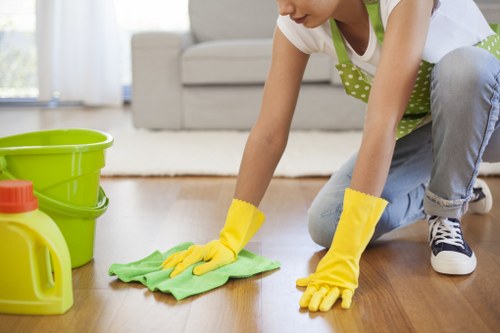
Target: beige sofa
x,y
212,76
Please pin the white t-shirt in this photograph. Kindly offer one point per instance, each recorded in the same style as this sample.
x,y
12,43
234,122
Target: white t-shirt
x,y
454,23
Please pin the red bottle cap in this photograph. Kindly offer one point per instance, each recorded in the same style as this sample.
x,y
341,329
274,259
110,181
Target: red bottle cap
x,y
16,196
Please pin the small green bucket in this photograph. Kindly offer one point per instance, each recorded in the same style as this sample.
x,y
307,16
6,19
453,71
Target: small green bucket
x,y
65,167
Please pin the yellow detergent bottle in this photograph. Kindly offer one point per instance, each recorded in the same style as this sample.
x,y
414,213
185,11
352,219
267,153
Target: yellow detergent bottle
x,y
34,258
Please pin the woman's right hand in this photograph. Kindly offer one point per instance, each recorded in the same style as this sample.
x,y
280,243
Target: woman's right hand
x,y
242,222
215,254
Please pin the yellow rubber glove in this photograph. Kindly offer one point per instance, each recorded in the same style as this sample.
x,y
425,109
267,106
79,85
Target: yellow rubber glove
x,y
242,222
337,273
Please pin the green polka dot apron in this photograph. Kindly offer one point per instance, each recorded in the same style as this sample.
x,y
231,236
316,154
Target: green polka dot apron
x,y
357,82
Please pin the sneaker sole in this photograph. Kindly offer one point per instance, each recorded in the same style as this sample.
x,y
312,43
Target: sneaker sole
x,y
483,206
454,267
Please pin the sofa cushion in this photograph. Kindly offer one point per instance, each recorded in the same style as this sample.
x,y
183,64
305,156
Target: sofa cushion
x,y
240,62
210,20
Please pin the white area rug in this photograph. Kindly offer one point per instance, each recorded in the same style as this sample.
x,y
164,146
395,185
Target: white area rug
x,y
176,153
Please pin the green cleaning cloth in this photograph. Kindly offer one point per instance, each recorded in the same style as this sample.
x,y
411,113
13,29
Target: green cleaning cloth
x,y
148,271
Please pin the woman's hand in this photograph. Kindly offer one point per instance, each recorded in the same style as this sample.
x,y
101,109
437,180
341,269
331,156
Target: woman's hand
x,y
214,253
242,222
334,278
337,273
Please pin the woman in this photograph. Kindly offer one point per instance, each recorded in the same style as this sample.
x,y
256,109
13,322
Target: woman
x,y
432,116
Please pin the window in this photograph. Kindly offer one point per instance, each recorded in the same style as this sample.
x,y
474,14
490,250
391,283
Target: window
x,y
18,64
18,71
147,15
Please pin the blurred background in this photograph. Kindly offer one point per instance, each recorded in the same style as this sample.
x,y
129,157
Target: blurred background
x,y
52,51
22,68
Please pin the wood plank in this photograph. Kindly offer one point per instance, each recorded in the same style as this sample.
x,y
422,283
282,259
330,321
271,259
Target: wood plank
x,y
399,291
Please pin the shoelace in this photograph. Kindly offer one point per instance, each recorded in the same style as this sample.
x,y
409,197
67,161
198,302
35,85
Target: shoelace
x,y
477,194
443,230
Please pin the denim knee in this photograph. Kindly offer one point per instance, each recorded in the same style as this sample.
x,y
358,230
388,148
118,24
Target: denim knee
x,y
465,71
323,225
323,222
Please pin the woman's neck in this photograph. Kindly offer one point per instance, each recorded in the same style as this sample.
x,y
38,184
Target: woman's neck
x,y
354,24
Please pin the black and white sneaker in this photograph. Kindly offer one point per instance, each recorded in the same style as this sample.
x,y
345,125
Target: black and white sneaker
x,y
482,200
450,253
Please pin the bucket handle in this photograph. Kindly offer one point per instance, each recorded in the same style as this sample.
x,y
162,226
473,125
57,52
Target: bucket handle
x,y
53,205
47,203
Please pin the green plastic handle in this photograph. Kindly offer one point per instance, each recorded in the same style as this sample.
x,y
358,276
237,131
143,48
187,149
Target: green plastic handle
x,y
47,203
53,205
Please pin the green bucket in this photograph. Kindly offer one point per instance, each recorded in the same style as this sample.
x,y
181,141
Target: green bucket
x,y
65,167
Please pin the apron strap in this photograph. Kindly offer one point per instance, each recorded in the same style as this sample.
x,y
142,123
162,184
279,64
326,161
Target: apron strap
x,y
338,43
495,27
373,8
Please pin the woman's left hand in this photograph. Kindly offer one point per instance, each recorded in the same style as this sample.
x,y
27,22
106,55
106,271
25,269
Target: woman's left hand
x,y
335,277
337,273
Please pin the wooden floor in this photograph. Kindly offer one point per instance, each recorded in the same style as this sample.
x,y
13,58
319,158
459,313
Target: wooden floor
x,y
399,291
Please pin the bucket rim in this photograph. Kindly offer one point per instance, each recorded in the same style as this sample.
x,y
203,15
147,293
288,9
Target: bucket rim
x,y
107,141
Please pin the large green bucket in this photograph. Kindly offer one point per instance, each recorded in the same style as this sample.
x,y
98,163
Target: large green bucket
x,y
65,167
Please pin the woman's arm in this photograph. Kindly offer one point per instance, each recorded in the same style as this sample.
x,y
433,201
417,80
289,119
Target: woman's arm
x,y
263,150
268,138
402,50
338,271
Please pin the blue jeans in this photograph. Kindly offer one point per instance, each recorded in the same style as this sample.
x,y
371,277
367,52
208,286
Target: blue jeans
x,y
433,168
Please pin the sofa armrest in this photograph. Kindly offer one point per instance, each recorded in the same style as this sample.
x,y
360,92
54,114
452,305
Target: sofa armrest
x,y
156,78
